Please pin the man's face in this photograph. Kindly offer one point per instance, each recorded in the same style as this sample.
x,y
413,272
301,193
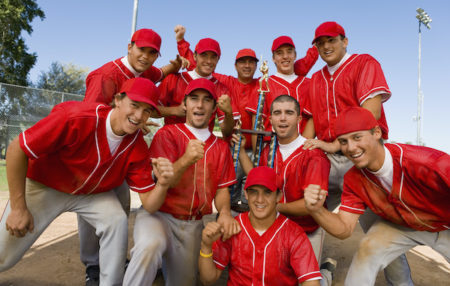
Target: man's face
x,y
246,68
363,148
262,202
284,59
285,119
129,115
200,106
142,58
206,63
331,49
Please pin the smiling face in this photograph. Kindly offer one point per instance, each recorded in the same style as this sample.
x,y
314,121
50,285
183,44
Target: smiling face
x,y
141,58
200,106
363,148
285,119
128,116
206,63
246,68
332,49
284,59
262,203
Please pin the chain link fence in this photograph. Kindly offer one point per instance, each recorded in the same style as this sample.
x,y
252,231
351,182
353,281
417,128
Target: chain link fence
x,y
21,107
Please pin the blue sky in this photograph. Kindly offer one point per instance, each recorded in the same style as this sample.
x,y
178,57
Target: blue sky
x,y
91,33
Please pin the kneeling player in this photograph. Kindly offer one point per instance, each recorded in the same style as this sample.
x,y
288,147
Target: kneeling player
x,y
69,161
407,186
270,249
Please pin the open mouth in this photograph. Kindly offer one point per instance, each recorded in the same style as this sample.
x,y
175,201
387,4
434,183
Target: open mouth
x,y
357,155
135,123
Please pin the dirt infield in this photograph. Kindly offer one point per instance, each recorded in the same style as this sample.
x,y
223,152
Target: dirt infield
x,y
54,259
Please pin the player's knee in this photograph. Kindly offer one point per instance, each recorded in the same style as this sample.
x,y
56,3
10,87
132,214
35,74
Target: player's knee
x,y
368,247
151,247
6,261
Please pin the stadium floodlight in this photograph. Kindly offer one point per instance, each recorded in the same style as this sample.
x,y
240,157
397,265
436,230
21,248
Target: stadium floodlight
x,y
423,18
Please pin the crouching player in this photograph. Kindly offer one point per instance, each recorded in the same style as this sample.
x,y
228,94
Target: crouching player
x,y
69,161
406,186
270,249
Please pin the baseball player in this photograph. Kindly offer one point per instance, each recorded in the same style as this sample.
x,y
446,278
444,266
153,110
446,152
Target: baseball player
x,y
243,88
101,86
143,50
172,88
407,186
346,80
69,161
271,249
295,169
203,170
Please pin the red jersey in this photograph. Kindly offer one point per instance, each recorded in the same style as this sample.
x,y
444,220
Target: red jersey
x,y
242,95
68,151
298,89
295,173
282,255
350,85
103,83
172,91
194,193
420,194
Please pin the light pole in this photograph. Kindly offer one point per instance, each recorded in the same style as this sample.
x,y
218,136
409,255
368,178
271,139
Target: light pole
x,y
423,18
135,10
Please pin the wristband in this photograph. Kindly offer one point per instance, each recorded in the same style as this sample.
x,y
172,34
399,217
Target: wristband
x,y
205,255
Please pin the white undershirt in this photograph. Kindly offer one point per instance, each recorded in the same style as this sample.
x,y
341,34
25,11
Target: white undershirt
x,y
289,78
334,68
128,65
386,173
195,75
287,149
113,139
201,134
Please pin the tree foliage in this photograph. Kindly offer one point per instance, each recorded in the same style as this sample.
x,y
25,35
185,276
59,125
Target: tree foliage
x,y
15,62
64,78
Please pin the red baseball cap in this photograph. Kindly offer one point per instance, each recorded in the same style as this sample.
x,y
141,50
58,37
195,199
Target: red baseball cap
x,y
282,40
141,90
262,176
246,53
208,44
354,119
147,38
330,29
201,83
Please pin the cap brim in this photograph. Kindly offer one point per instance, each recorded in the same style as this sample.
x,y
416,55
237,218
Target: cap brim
x,y
325,35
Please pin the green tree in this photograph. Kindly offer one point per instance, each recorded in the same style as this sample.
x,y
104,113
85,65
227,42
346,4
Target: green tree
x,y
15,62
64,78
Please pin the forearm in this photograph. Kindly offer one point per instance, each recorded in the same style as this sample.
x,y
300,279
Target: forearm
x,y
170,68
295,208
208,271
333,223
309,131
246,163
311,283
227,125
166,111
179,167
152,200
222,201
16,172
